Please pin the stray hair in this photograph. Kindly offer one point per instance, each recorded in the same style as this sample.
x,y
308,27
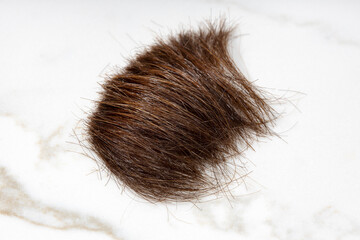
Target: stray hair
x,y
166,125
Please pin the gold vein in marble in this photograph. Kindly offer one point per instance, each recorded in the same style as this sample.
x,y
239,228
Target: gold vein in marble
x,y
15,202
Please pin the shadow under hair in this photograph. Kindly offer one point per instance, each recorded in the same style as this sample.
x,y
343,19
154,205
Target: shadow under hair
x,y
167,123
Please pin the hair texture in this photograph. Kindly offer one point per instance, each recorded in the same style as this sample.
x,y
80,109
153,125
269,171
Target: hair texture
x,y
167,124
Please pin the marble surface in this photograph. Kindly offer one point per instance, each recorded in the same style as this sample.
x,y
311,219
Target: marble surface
x,y
303,186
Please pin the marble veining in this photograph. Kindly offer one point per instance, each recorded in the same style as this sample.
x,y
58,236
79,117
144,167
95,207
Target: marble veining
x,y
15,202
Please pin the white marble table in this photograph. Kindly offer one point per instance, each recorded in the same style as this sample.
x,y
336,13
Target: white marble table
x,y
306,186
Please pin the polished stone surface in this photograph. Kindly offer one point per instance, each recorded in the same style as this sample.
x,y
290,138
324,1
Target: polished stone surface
x,y
304,185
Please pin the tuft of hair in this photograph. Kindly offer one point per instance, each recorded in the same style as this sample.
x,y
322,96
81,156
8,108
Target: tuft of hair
x,y
166,125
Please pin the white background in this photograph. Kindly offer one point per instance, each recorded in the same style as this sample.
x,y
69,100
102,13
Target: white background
x,y
303,186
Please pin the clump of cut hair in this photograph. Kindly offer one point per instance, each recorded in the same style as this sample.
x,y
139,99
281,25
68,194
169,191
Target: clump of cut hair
x,y
166,125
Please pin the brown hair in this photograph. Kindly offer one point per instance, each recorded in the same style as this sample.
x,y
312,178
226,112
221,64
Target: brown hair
x,y
167,123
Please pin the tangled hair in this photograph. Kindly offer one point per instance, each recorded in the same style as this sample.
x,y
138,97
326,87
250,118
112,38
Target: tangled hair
x,y
166,125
